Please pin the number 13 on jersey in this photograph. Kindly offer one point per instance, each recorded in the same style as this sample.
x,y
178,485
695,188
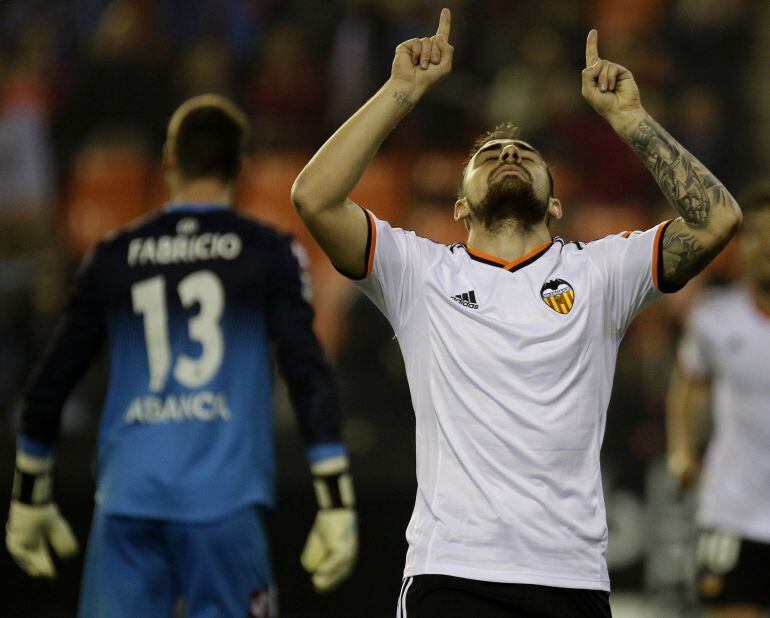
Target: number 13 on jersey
x,y
149,300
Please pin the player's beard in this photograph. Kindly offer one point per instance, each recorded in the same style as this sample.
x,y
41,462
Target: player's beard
x,y
510,200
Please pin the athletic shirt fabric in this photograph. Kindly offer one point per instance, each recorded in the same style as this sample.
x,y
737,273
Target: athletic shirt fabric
x,y
191,302
728,342
510,368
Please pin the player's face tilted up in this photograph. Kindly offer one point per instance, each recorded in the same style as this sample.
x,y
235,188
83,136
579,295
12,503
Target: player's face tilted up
x,y
509,342
506,180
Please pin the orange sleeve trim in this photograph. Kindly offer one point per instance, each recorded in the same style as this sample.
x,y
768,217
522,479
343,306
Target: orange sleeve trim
x,y
656,256
371,243
657,261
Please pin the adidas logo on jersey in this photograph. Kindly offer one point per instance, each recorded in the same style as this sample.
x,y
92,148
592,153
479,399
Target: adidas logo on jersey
x,y
466,299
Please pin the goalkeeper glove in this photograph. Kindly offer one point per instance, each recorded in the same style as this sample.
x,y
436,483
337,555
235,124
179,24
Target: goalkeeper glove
x,y
34,520
332,545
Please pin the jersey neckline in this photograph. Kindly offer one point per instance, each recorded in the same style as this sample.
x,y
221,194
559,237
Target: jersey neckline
x,y
512,266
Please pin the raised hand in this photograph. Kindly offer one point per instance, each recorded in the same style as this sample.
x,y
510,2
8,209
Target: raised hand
x,y
421,63
608,87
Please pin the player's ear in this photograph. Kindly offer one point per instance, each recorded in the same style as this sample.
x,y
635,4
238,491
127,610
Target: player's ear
x,y
462,211
554,209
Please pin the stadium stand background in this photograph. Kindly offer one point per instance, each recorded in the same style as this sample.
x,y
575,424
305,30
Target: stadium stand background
x,y
86,89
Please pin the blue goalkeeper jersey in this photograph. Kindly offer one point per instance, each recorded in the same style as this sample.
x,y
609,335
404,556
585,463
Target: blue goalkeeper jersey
x,y
192,302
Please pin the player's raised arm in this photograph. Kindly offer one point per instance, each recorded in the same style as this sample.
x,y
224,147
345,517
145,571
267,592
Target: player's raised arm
x,y
320,193
708,214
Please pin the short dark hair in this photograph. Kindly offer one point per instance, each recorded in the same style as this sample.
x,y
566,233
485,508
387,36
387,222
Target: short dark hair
x,y
755,197
208,137
504,130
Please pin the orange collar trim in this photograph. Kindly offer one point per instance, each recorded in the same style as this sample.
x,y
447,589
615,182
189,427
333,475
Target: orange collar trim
x,y
517,263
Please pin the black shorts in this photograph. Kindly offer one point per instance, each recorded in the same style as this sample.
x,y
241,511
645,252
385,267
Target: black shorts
x,y
442,596
732,570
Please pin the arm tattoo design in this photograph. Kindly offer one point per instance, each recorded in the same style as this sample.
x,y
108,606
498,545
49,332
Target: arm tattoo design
x,y
684,255
688,186
689,243
403,101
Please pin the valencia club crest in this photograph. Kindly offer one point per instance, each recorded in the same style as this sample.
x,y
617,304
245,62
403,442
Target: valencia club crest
x,y
558,295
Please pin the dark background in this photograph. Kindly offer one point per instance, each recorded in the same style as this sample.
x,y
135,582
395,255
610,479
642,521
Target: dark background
x,y
87,86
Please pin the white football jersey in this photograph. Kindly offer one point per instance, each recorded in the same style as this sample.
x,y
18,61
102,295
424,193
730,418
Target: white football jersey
x,y
728,342
510,369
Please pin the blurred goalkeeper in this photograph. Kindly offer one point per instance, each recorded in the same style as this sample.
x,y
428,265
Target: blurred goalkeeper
x,y
190,301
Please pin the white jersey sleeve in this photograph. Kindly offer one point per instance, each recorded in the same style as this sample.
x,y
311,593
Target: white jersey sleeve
x,y
630,267
394,260
693,353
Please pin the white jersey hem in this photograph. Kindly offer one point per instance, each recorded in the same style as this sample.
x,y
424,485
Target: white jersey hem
x,y
507,577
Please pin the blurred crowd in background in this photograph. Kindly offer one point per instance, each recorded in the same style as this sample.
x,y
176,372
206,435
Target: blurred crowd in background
x,y
86,89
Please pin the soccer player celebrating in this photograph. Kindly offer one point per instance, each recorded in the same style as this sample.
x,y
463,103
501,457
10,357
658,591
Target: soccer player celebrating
x,y
190,302
723,364
509,341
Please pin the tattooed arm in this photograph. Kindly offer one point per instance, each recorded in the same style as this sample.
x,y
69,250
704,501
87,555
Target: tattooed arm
x,y
320,193
708,214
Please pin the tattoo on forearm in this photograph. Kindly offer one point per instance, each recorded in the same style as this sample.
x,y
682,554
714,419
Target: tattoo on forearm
x,y
403,101
684,256
688,186
690,242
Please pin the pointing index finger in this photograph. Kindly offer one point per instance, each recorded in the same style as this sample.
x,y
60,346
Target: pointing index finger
x,y
592,48
444,23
